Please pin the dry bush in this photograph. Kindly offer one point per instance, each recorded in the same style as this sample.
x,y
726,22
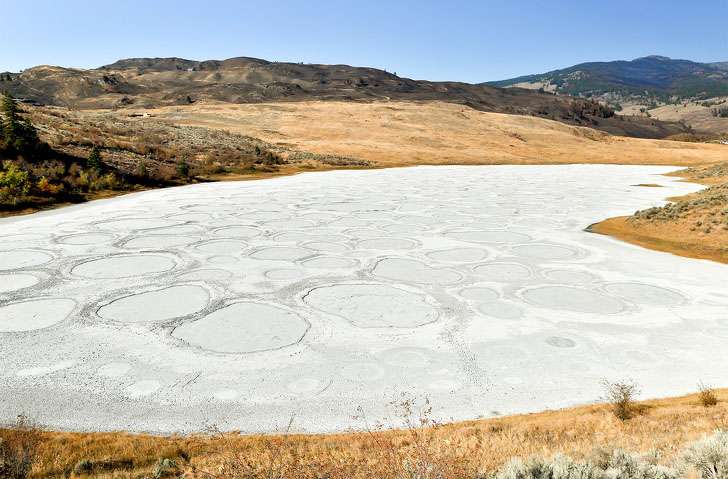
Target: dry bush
x,y
621,396
274,459
18,447
707,395
422,453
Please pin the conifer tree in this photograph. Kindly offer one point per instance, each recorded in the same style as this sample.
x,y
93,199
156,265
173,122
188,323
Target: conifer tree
x,y
94,159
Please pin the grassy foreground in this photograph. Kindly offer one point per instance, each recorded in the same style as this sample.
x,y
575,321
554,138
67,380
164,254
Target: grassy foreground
x,y
660,429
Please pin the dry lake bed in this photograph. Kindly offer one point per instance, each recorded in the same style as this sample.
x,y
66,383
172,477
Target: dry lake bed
x,y
245,304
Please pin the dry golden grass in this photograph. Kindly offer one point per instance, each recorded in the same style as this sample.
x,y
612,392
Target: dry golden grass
x,y
699,232
663,425
409,133
675,237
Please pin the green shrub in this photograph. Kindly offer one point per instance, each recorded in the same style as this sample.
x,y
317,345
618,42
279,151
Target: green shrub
x,y
183,168
14,183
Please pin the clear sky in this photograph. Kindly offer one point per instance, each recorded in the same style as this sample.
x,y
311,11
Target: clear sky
x,y
466,40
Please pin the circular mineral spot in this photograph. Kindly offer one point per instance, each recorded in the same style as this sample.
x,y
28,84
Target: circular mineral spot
x,y
417,220
544,251
559,342
501,310
159,241
402,228
175,230
20,240
124,266
645,294
492,236
239,231
445,384
407,357
223,260
362,371
363,233
330,262
281,253
228,247
283,274
569,276
458,255
34,314
305,385
289,224
503,272
226,395
207,275
244,328
479,293
143,388
16,281
214,208
513,380
43,370
86,239
113,370
568,298
194,217
130,224
262,216
320,236
23,259
373,305
348,222
326,247
387,244
414,271
154,306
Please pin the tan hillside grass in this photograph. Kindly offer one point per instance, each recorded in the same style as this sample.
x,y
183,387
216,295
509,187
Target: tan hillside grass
x,y
400,133
472,447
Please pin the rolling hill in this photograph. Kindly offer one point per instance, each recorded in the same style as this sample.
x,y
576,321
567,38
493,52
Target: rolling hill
x,y
655,77
157,82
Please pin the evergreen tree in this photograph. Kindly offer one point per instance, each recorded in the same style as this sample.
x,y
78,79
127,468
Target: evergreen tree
x,y
94,159
19,137
10,121
183,168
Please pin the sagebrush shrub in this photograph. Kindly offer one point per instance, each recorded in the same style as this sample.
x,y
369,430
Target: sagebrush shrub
x,y
708,456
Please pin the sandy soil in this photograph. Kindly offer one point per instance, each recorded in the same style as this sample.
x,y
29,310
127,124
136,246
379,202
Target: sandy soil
x,y
245,303
402,133
675,238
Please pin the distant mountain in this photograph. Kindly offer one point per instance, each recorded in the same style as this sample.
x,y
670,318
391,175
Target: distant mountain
x,y
656,77
153,82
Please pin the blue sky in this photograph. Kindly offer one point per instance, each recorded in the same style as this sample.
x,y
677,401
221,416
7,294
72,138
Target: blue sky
x,y
438,40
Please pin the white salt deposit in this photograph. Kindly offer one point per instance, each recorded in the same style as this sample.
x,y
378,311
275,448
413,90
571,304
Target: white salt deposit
x,y
244,304
161,305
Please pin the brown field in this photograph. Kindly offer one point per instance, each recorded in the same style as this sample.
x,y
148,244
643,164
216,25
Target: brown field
x,y
436,133
467,448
